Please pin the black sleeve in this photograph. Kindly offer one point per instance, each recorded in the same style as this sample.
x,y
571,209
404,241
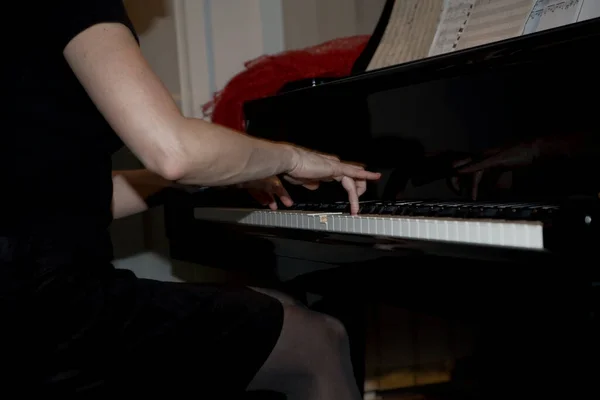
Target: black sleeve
x,y
68,18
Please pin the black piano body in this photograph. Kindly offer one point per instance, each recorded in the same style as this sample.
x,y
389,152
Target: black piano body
x,y
421,240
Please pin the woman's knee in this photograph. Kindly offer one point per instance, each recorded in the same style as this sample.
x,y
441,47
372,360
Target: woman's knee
x,y
302,320
316,332
310,345
283,298
335,328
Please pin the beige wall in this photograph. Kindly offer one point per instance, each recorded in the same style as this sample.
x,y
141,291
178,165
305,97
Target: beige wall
x,y
310,22
154,22
237,36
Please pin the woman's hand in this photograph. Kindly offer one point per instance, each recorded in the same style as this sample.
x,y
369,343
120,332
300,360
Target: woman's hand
x,y
497,162
310,168
265,191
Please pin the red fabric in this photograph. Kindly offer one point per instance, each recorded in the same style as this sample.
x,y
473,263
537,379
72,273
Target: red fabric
x,y
265,75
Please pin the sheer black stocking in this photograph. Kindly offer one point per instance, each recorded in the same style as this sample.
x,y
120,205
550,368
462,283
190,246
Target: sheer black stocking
x,y
311,360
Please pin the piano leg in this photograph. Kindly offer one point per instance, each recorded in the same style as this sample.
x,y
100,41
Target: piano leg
x,y
352,313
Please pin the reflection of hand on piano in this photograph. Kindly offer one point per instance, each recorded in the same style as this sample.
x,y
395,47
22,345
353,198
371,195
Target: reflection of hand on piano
x,y
500,161
496,165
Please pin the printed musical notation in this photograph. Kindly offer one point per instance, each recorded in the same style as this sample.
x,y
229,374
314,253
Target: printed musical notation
x,y
409,33
452,23
494,20
548,14
421,28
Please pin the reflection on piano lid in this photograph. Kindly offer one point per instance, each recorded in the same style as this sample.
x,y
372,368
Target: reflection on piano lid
x,y
511,225
515,107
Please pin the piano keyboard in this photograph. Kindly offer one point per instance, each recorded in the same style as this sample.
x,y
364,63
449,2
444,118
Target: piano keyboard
x,y
505,225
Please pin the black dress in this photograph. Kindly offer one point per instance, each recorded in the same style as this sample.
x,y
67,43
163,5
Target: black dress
x,y
69,321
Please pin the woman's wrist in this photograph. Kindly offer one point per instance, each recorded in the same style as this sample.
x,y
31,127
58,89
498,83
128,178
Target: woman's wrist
x,y
291,157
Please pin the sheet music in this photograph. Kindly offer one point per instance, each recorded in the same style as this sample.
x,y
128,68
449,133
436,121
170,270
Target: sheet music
x,y
590,9
494,20
547,14
454,18
409,33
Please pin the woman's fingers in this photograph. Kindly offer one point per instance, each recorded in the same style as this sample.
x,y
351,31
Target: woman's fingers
x,y
350,185
276,188
306,183
291,180
311,185
284,196
460,163
353,179
330,157
263,198
479,166
361,187
357,173
266,190
476,181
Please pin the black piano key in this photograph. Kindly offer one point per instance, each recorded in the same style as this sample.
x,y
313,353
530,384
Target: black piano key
x,y
446,212
389,209
461,212
489,212
422,211
432,209
342,207
325,207
370,209
515,214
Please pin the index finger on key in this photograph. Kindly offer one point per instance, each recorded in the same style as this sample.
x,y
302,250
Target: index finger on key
x,y
358,173
481,165
350,185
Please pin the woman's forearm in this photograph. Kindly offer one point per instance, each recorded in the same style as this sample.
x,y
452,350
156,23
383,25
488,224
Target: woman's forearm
x,y
109,64
207,155
578,144
212,155
132,189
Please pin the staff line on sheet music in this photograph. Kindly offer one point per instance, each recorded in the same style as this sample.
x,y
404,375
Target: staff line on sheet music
x,y
491,34
563,5
554,7
504,10
403,40
543,9
494,7
500,21
489,16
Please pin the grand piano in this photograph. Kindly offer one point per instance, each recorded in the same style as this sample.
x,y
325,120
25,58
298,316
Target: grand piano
x,y
512,246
